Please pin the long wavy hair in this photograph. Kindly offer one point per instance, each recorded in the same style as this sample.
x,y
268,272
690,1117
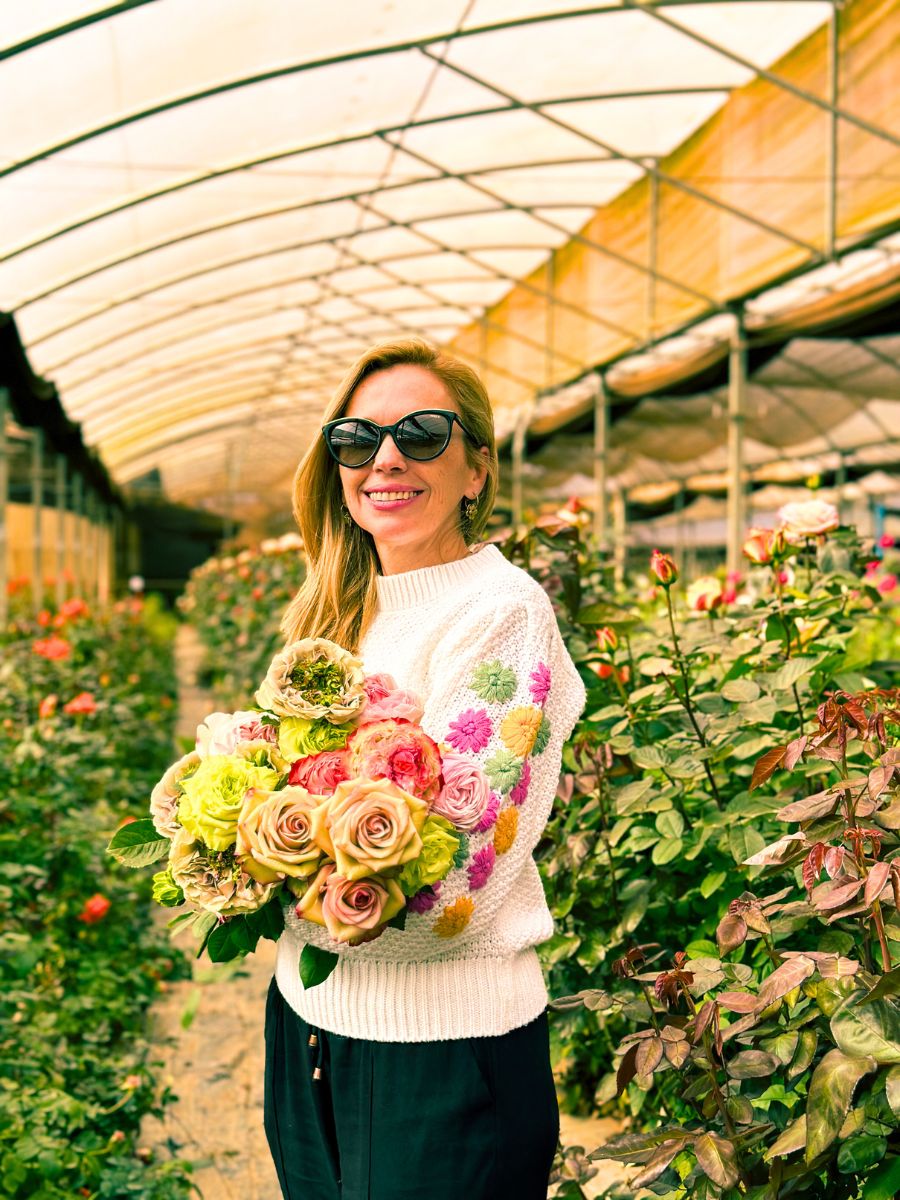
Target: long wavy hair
x,y
338,597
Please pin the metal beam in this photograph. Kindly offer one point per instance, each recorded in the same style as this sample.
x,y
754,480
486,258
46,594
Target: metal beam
x,y
831,166
601,460
37,507
57,31
737,385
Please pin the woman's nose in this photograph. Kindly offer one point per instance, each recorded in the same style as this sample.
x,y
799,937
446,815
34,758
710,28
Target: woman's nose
x,y
388,457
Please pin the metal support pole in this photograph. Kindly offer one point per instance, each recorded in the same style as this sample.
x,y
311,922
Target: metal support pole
x,y
78,539
831,150
653,252
61,526
601,428
91,545
4,497
37,510
620,534
679,525
104,543
737,386
523,419
840,482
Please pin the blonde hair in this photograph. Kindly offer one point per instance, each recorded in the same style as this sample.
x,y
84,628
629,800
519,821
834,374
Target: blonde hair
x,y
337,598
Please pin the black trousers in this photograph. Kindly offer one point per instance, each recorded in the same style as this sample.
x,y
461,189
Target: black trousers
x,y
348,1119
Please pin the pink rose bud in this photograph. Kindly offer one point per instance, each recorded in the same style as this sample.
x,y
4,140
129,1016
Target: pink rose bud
x,y
758,546
607,639
663,567
95,909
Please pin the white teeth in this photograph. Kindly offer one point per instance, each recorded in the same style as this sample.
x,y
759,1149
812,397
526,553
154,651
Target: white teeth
x,y
392,495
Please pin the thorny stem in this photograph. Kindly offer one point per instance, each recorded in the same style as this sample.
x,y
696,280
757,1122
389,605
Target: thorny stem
x,y
686,698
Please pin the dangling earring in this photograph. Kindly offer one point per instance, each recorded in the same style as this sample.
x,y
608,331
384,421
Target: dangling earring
x,y
470,508
345,514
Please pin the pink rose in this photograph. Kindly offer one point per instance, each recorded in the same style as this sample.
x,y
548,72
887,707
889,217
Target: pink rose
x,y
808,519
466,794
397,706
378,686
221,732
357,910
320,773
399,751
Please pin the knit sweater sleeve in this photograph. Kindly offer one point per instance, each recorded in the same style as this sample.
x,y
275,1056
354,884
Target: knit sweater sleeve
x,y
504,692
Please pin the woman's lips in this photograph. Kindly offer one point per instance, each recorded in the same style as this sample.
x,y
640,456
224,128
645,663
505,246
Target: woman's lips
x,y
390,498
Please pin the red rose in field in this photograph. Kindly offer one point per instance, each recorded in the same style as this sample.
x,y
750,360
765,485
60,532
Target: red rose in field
x,y
73,608
52,647
607,639
44,617
95,909
82,703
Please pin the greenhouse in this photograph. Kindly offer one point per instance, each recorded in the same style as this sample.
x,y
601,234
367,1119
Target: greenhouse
x,y
599,307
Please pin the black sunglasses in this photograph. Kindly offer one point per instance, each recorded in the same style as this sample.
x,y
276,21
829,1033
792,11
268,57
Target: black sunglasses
x,y
354,441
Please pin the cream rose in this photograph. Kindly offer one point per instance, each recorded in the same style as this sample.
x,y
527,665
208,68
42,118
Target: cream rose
x,y
314,679
164,797
808,519
274,834
213,884
220,732
369,826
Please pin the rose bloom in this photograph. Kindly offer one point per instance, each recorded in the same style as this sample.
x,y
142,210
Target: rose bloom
x,y
315,679
396,750
705,593
466,793
220,732
398,705
352,910
320,773
378,686
274,834
213,796
369,826
82,703
48,705
95,909
808,519
663,567
758,546
164,797
219,887
52,647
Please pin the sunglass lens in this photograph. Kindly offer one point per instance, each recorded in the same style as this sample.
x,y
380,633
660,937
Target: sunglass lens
x,y
423,436
353,442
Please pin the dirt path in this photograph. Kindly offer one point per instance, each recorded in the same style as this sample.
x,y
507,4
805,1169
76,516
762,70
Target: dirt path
x,y
208,1034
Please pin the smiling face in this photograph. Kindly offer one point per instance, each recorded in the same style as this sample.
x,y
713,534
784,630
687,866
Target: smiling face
x,y
410,508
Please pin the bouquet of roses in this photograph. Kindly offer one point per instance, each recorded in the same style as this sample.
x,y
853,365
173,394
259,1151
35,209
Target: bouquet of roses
x,y
328,793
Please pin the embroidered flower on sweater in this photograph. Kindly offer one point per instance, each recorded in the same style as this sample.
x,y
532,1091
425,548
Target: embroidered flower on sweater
x,y
455,917
489,820
493,682
520,728
540,683
503,770
519,793
481,866
506,829
425,900
543,736
471,730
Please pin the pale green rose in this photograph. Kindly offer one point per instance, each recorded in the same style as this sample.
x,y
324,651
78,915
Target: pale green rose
x,y
440,843
212,881
214,795
298,737
165,890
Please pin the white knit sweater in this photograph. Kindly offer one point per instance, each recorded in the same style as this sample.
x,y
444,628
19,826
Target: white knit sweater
x,y
476,639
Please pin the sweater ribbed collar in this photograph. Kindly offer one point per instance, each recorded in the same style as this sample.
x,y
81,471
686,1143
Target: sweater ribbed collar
x,y
411,588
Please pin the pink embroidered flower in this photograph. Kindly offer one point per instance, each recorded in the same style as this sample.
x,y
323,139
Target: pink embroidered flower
x,y
424,901
395,706
396,750
471,730
466,793
320,773
540,683
519,793
481,866
489,820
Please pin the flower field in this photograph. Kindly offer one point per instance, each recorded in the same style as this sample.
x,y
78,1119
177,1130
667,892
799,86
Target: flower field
x,y
88,708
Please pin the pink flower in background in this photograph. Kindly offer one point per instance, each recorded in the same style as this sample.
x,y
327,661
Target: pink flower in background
x,y
489,820
886,542
887,584
319,773
520,791
540,683
873,567
471,730
481,866
466,793
424,901
94,909
395,706
399,751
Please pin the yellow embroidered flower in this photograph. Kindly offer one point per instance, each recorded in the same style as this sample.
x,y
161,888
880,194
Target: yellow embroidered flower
x,y
455,917
506,829
520,728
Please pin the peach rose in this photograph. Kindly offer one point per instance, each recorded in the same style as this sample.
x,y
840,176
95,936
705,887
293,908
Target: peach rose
x,y
808,519
369,826
164,797
319,773
357,910
274,834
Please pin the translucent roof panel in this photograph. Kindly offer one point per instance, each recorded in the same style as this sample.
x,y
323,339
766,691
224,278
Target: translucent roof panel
x,y
209,207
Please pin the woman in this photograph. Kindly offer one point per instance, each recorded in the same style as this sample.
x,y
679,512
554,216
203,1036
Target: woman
x,y
420,1067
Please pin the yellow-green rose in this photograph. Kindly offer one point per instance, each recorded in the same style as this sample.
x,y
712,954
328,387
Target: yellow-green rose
x,y
274,834
165,890
214,796
369,826
439,844
298,737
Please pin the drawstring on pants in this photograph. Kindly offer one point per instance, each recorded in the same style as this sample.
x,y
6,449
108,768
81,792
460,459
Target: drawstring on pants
x,y
315,1042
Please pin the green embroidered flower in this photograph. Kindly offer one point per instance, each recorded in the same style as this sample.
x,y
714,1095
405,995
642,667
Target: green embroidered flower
x,y
543,736
503,770
493,682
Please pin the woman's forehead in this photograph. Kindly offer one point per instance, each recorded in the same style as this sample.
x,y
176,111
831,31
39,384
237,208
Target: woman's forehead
x,y
388,395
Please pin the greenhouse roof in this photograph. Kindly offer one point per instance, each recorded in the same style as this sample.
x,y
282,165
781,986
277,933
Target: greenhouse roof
x,y
210,207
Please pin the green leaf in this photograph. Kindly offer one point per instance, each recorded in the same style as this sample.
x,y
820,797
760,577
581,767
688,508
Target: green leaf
x,y
792,671
830,1092
883,1184
793,1138
744,841
232,939
137,844
887,985
654,665
316,965
711,883
860,1152
717,1159
629,799
740,691
648,757
267,922
871,1030
670,823
665,850
399,921
892,1090
752,1064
